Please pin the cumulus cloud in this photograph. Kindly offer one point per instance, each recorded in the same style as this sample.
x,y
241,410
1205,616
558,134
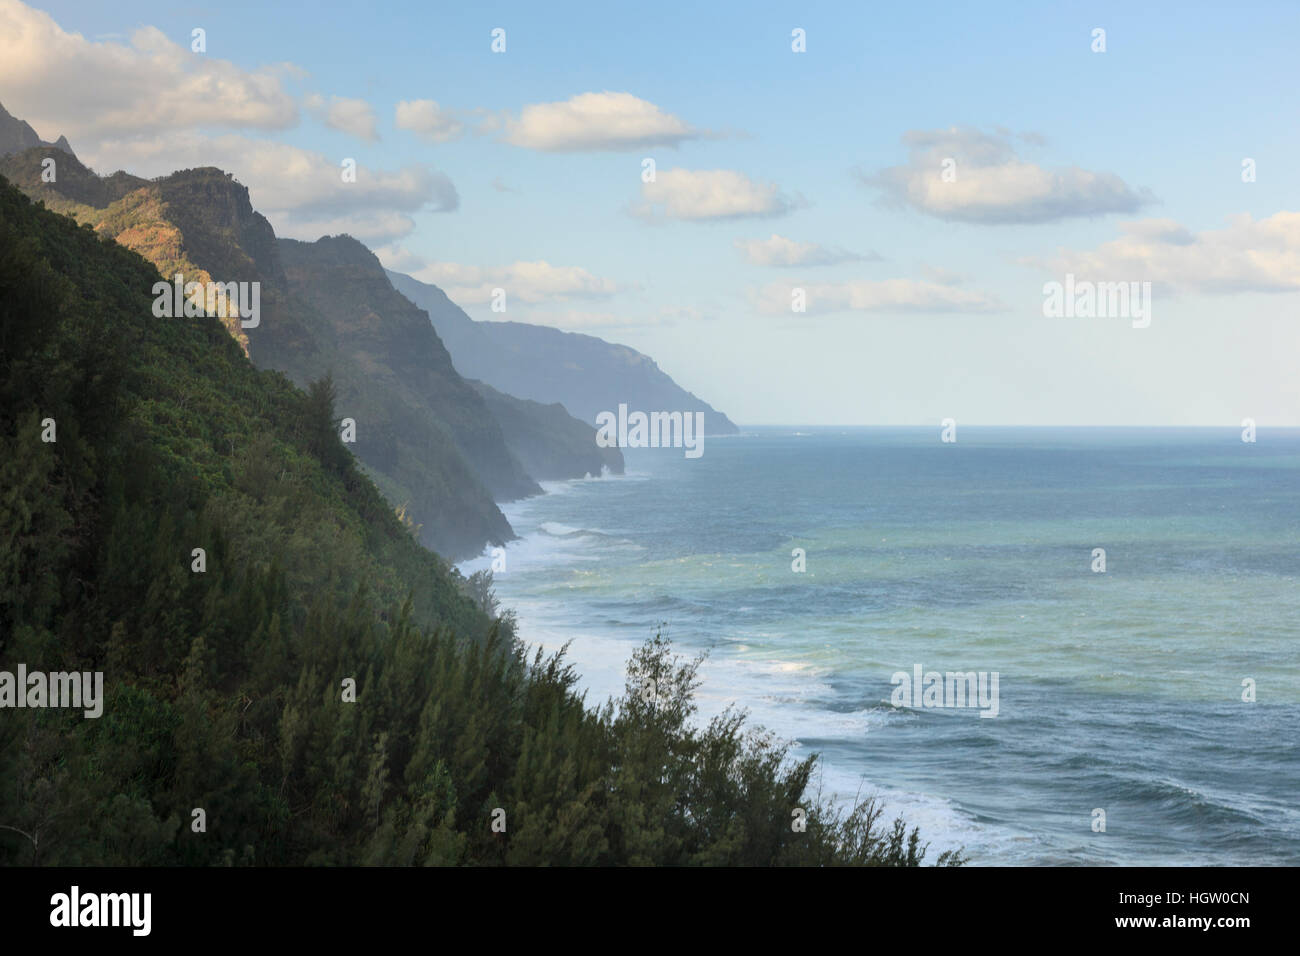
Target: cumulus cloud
x,y
701,195
787,253
595,121
62,82
1248,255
989,183
428,120
301,192
352,116
886,295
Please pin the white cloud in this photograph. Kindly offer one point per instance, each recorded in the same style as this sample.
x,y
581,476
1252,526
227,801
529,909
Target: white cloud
x,y
63,83
300,192
991,184
596,121
398,258
886,295
355,117
787,253
709,194
428,120
1248,255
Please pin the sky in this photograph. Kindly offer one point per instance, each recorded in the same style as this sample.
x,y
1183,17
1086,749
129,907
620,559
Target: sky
x,y
920,173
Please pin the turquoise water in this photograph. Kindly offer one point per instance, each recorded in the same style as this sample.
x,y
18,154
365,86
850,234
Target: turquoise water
x,y
1118,691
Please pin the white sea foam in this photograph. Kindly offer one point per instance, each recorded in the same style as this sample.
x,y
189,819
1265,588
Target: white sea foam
x,y
784,697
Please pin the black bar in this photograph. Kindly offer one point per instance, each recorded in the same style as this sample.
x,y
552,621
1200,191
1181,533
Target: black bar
x,y
969,906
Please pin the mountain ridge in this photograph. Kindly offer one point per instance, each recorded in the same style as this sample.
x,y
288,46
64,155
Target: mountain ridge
x,y
396,346
425,435
17,135
201,223
585,374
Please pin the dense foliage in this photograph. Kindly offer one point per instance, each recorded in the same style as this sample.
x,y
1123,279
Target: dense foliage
x,y
442,458
224,688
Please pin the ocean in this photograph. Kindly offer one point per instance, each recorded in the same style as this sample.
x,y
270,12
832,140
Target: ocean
x,y
1119,691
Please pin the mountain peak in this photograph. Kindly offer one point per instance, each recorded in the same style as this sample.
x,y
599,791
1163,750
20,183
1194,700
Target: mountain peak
x,y
17,135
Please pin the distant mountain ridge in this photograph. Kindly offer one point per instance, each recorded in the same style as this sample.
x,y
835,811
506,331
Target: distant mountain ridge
x,y
441,448
585,374
16,136
408,373
74,183
551,444
201,223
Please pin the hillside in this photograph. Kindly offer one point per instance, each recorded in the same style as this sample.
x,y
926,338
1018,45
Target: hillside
x,y
74,183
201,224
192,529
585,374
407,377
423,432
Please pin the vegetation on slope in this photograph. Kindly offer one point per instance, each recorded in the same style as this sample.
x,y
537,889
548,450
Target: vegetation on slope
x,y
223,688
200,223
408,380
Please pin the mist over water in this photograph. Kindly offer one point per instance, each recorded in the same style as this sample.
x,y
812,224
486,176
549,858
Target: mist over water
x,y
1118,690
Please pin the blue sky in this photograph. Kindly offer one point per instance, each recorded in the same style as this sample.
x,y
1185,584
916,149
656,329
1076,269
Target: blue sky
x,y
926,301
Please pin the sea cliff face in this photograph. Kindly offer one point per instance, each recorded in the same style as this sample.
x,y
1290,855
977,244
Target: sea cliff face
x,y
551,443
585,374
441,448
